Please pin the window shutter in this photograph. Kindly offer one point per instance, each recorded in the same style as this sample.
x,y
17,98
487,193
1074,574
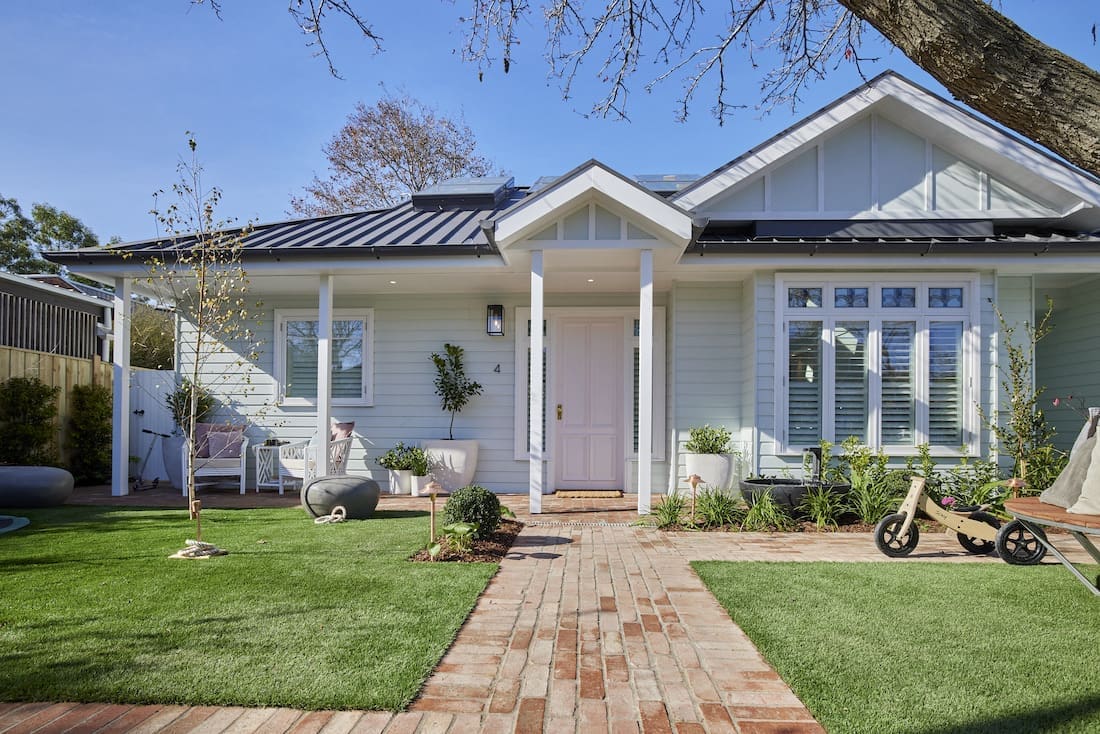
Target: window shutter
x,y
945,388
898,388
301,359
850,419
347,359
804,383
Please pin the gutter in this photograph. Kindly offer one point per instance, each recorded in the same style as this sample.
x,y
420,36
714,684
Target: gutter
x,y
798,247
376,252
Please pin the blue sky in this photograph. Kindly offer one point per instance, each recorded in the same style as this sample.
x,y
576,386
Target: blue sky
x,y
101,94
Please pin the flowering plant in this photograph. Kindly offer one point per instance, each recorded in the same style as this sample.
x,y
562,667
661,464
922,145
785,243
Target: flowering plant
x,y
948,501
1076,405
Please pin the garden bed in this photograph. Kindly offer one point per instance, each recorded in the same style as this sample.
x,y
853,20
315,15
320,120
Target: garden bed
x,y
487,550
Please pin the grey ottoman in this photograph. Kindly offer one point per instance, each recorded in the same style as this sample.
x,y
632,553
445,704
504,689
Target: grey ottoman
x,y
34,486
359,496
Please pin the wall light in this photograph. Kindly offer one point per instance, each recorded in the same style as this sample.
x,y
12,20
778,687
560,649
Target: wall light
x,y
494,320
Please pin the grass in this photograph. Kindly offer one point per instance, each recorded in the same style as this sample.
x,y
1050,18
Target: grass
x,y
313,617
928,648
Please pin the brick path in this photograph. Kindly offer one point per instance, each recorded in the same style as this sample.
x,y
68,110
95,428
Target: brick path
x,y
589,626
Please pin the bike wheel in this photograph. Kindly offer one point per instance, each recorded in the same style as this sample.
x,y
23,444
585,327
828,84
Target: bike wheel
x,y
979,546
1018,546
890,542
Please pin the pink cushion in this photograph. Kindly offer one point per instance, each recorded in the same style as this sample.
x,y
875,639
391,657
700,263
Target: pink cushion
x,y
225,444
341,430
202,432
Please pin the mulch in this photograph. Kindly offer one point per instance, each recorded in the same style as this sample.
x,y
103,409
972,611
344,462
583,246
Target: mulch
x,y
485,550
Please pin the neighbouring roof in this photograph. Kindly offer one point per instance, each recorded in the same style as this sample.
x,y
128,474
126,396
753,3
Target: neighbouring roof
x,y
60,281
44,285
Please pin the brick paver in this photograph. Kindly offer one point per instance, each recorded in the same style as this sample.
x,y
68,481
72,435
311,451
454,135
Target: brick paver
x,y
590,625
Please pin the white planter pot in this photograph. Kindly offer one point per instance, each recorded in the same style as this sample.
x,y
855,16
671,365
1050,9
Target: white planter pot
x,y
400,481
171,449
419,484
453,462
716,470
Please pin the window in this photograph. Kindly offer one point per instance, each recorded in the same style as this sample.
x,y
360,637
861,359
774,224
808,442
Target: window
x,y
887,360
352,357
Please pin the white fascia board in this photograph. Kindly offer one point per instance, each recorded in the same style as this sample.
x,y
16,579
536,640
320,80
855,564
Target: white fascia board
x,y
555,202
798,137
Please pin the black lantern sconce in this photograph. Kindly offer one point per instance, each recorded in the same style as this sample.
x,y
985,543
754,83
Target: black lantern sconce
x,y
494,320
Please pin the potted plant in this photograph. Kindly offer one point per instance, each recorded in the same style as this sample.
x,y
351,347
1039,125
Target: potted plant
x,y
420,471
400,461
710,456
452,462
179,403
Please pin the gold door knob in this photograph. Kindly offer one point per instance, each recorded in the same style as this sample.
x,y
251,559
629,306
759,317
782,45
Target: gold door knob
x,y
559,411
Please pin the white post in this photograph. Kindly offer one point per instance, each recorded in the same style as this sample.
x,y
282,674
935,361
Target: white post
x,y
534,381
324,373
120,440
645,385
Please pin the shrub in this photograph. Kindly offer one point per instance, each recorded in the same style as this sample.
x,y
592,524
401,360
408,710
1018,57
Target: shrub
x,y
28,421
874,500
475,505
707,440
766,515
405,458
714,509
823,506
451,384
669,512
90,434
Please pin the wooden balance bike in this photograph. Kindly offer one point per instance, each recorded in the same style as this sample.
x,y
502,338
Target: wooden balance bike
x,y
977,530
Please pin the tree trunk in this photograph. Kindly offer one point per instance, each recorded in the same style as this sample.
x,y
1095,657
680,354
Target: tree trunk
x,y
988,62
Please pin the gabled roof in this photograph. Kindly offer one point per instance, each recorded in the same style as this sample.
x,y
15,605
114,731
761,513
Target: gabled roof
x,y
891,85
586,180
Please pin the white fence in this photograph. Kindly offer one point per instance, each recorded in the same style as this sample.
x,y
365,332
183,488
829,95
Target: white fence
x,y
149,412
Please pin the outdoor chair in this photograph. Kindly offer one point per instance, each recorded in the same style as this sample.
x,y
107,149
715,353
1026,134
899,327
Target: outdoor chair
x,y
221,451
298,459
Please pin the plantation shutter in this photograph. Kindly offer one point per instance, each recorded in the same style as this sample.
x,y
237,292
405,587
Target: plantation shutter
x,y
301,359
945,387
347,359
804,383
850,364
898,384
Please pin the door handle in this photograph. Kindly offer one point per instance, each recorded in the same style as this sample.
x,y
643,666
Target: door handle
x,y
559,411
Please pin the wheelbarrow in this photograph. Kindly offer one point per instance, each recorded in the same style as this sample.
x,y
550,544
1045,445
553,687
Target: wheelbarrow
x,y
978,531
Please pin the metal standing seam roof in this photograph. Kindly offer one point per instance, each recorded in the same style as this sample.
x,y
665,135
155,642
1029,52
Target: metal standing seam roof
x,y
1037,242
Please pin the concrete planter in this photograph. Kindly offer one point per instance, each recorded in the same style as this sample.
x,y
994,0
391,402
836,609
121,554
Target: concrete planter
x,y
453,462
716,470
400,481
357,495
419,485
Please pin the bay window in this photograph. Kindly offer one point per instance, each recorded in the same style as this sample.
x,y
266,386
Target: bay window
x,y
296,357
890,361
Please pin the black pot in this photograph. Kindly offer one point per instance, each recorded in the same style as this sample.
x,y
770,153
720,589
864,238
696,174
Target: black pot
x,y
787,493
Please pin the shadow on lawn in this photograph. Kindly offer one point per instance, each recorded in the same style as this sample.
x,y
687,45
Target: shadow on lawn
x,y
1054,718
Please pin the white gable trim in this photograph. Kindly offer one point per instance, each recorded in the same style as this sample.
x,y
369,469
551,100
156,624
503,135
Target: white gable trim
x,y
906,92
593,181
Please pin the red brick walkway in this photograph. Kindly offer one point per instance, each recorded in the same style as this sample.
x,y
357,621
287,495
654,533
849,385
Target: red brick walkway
x,y
589,626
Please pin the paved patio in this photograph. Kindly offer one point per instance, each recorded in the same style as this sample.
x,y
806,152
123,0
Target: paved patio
x,y
590,625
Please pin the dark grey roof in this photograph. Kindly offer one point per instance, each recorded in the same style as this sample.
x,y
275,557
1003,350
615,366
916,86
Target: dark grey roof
x,y
401,230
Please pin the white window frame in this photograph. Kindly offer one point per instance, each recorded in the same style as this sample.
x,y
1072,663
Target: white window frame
x,y
365,315
875,314
628,314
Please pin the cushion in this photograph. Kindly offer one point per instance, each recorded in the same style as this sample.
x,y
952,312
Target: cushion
x,y
341,430
1067,487
225,444
202,447
1089,501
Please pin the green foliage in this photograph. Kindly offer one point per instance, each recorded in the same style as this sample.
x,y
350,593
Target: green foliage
x,y
405,458
766,515
864,466
459,536
875,499
475,505
152,337
707,440
1044,464
23,238
90,434
973,482
1023,433
670,511
506,511
179,401
823,506
451,384
28,421
715,508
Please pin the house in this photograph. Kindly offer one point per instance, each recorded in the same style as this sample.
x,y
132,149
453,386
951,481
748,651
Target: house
x,y
54,315
838,279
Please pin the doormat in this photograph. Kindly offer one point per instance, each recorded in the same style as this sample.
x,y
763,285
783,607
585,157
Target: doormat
x,y
588,494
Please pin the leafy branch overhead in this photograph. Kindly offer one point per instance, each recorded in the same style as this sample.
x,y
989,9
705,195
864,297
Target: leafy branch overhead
x,y
978,54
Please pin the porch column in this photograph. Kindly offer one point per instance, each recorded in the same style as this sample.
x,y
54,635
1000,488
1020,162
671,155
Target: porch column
x,y
645,385
324,372
534,381
120,440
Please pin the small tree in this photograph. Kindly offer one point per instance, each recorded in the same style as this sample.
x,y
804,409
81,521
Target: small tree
x,y
90,434
200,273
28,421
451,384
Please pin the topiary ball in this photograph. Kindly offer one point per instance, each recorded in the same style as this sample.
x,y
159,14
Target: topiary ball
x,y
473,504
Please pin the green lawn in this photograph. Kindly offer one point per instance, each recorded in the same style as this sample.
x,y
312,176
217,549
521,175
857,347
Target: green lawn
x,y
929,648
332,616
